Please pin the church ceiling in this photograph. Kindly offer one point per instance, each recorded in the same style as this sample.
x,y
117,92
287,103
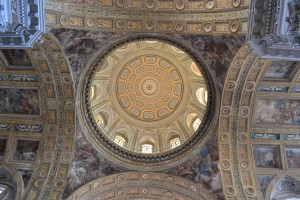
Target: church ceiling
x,y
252,150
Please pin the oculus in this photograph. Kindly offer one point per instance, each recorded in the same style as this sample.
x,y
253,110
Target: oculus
x,y
153,99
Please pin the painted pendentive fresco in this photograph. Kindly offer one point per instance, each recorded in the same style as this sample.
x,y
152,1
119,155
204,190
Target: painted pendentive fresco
x,y
204,168
277,111
16,57
79,46
19,101
26,150
87,165
263,183
26,175
280,70
292,157
218,52
2,147
266,156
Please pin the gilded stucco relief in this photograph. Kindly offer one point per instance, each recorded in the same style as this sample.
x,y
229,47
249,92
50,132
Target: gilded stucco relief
x,y
217,52
176,17
260,126
252,153
37,119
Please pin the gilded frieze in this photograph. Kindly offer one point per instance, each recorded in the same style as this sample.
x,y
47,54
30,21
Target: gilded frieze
x,y
164,18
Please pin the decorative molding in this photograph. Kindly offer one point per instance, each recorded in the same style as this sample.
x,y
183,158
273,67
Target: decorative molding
x,y
91,17
145,185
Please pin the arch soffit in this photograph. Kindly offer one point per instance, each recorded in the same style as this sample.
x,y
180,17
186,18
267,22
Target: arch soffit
x,y
150,185
235,125
58,120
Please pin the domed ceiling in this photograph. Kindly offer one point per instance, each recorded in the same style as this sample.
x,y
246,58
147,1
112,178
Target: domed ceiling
x,y
147,98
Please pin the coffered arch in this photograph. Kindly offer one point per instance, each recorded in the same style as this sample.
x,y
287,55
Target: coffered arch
x,y
150,186
37,130
251,153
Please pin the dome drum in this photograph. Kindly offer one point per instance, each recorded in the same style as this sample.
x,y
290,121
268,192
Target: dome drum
x,y
149,82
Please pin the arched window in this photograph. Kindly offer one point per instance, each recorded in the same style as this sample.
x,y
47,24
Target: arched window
x,y
175,143
147,148
120,140
196,124
99,120
202,95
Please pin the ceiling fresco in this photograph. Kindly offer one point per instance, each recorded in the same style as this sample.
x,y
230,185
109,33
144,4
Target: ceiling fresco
x,y
251,149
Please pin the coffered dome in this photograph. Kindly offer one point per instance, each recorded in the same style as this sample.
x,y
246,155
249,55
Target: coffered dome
x,y
146,97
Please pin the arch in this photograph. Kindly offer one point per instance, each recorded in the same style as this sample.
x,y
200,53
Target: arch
x,y
287,188
8,185
120,140
162,186
175,142
193,121
147,145
171,136
102,119
147,148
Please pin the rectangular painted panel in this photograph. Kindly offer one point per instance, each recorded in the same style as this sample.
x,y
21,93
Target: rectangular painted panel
x,y
280,70
292,155
266,156
26,150
2,147
277,111
17,101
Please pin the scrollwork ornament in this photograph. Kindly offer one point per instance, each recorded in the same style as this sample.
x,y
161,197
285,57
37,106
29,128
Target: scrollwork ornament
x,y
234,26
39,183
224,138
230,86
225,164
179,27
209,4
236,3
120,24
63,20
208,27
242,138
249,86
150,4
145,176
225,111
145,191
120,3
244,164
180,5
96,184
230,190
249,190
